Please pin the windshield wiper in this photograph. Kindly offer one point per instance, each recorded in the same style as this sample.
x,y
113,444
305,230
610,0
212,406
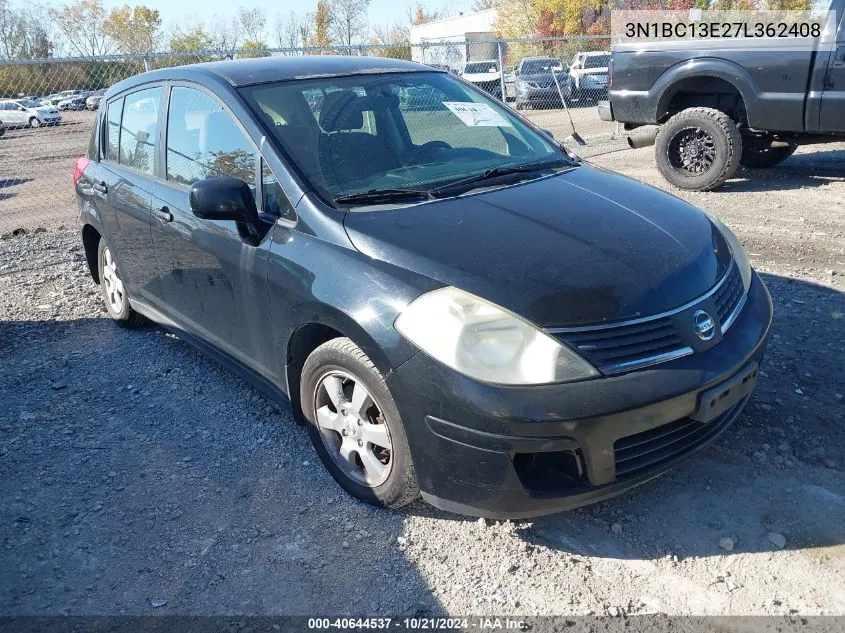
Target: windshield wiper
x,y
382,195
496,172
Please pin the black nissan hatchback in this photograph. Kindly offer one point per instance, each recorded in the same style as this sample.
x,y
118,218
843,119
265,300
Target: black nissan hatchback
x,y
455,305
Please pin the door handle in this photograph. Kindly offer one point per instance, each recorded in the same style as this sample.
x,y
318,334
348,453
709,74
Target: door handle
x,y
163,215
100,187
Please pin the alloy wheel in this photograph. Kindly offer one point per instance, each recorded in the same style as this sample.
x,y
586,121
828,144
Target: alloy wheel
x,y
115,294
692,150
353,428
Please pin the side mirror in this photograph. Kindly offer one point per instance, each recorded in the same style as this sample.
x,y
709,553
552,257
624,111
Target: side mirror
x,y
223,198
548,133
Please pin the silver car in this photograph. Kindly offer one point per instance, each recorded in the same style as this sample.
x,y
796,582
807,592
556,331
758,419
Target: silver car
x,y
22,113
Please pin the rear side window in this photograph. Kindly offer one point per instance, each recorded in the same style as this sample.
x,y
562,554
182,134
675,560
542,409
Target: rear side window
x,y
204,141
111,133
139,129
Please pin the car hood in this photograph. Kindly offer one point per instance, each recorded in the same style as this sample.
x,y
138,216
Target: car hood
x,y
543,77
44,109
584,246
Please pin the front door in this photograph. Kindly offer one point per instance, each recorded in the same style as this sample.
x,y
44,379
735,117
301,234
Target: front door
x,y
214,278
832,118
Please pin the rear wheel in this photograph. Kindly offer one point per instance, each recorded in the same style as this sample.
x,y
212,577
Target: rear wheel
x,y
34,122
113,291
698,149
355,426
758,152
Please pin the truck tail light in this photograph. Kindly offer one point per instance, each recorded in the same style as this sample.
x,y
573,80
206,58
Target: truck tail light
x,y
79,167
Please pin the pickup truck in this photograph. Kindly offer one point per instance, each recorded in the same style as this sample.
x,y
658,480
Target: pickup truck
x,y
724,103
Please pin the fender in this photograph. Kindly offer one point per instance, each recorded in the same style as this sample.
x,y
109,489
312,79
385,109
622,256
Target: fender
x,y
666,86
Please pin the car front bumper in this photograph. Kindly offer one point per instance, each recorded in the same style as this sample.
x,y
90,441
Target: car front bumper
x,y
538,95
515,452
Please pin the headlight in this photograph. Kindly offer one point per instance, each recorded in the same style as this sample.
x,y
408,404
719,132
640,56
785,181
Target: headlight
x,y
737,251
486,342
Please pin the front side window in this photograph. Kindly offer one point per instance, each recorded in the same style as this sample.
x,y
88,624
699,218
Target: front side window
x,y
139,129
111,133
204,141
349,135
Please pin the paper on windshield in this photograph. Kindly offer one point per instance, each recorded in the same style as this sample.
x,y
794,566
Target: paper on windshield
x,y
476,114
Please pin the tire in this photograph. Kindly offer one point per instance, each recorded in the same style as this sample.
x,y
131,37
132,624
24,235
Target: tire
x,y
519,105
698,149
118,310
757,152
34,122
340,366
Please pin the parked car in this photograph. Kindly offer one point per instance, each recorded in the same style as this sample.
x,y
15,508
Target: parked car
x,y
719,107
20,113
485,75
2,128
74,102
92,102
55,99
588,74
453,304
535,82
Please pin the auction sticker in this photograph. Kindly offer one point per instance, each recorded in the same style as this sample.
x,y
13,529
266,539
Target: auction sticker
x,y
476,114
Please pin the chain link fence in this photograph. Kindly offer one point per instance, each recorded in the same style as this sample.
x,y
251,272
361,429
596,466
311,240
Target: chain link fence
x,y
47,107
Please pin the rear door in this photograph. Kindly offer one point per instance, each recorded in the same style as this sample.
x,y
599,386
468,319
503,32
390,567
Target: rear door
x,y
832,117
123,188
214,278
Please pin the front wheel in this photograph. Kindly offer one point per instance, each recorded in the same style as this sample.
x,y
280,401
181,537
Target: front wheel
x,y
355,426
113,291
758,152
34,122
698,149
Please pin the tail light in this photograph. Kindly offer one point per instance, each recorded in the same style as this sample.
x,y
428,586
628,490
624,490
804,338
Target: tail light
x,y
79,167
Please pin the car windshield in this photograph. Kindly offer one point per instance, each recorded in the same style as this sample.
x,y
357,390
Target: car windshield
x,y
402,131
26,103
597,61
537,66
482,67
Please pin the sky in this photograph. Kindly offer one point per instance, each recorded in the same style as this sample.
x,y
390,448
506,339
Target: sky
x,y
382,12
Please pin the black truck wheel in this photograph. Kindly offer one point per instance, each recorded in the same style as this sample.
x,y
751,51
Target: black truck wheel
x,y
758,153
698,149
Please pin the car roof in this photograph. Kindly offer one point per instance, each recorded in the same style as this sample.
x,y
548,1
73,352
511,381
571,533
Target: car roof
x,y
533,59
483,61
594,53
246,72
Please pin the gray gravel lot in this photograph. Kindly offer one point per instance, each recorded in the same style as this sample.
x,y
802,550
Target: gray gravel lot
x,y
137,476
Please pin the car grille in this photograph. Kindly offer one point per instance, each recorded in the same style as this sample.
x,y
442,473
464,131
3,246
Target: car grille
x,y
635,453
729,298
627,346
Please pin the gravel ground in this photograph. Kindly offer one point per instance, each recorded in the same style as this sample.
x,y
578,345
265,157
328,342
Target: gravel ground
x,y
137,476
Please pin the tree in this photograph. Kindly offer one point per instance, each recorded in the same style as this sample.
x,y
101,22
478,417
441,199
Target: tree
x,y
253,48
483,5
421,16
135,30
81,25
393,42
192,41
322,19
349,21
253,23
225,35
